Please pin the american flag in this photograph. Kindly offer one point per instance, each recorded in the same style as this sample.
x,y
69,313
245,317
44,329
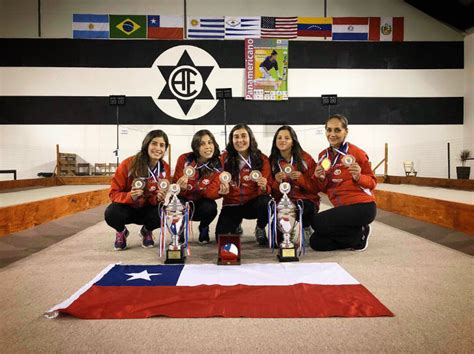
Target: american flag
x,y
279,27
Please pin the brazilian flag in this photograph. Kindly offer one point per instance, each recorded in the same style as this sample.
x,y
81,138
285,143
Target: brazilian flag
x,y
127,26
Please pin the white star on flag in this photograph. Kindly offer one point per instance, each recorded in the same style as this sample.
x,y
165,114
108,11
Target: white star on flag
x,y
142,275
153,21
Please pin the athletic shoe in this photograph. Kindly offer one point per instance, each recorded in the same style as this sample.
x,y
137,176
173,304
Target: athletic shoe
x,y
204,235
364,242
121,240
261,236
147,238
238,230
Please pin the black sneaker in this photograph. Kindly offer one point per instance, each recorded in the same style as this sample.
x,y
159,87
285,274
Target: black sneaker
x,y
238,230
364,242
121,240
261,236
147,238
204,235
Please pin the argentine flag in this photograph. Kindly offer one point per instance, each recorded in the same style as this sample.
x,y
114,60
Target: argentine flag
x,y
90,26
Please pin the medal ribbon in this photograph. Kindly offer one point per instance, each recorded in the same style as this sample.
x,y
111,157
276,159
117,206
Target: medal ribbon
x,y
155,172
291,163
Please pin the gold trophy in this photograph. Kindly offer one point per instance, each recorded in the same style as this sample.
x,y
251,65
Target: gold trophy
x,y
174,214
286,222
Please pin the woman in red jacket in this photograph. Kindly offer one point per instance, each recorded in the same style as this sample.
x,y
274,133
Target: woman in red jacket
x,y
288,155
344,173
137,202
246,196
203,186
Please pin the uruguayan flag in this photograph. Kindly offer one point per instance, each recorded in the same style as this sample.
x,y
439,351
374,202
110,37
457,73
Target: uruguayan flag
x,y
206,27
90,26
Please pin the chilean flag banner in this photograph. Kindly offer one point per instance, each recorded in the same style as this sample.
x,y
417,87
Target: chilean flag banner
x,y
206,290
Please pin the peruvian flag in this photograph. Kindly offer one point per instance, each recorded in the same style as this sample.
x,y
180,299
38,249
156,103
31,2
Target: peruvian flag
x,y
206,290
386,29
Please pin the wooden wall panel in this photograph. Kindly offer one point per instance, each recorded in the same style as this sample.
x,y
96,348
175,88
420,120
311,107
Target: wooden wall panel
x,y
464,184
457,216
32,182
23,216
84,180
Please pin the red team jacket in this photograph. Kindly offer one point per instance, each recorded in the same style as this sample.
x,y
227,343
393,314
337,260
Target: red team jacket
x,y
198,187
121,185
304,187
339,185
246,189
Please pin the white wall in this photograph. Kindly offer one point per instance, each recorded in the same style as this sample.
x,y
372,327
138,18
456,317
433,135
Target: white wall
x,y
31,149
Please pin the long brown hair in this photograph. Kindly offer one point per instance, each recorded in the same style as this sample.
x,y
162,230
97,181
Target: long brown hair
x,y
296,150
139,167
232,162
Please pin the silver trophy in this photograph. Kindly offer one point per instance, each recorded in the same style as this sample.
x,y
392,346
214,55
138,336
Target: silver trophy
x,y
286,222
174,214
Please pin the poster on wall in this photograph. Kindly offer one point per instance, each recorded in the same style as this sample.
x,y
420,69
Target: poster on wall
x,y
266,69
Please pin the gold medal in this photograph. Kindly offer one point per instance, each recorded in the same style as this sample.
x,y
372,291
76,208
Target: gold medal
x,y
164,184
138,183
326,164
288,169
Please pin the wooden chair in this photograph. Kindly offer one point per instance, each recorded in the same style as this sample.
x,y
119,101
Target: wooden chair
x,y
409,168
83,169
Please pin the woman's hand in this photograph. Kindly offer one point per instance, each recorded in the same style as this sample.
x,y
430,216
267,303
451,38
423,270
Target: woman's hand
x,y
160,195
224,188
280,176
262,183
355,170
136,193
183,182
295,174
320,173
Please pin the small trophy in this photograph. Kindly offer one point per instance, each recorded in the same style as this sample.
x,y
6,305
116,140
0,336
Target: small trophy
x,y
225,177
174,214
189,171
286,221
139,183
288,169
348,160
255,175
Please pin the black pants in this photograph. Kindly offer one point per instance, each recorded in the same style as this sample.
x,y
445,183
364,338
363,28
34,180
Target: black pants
x,y
341,227
203,210
231,216
309,210
118,215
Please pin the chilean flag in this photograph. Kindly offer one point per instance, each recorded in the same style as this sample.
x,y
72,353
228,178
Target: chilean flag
x,y
207,290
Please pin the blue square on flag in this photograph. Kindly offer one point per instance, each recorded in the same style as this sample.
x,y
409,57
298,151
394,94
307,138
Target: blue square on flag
x,y
153,21
143,275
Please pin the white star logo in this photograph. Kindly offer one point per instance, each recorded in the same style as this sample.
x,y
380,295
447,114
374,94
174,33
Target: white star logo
x,y
153,21
142,275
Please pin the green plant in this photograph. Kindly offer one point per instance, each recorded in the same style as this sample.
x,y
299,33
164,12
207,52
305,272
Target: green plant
x,y
464,156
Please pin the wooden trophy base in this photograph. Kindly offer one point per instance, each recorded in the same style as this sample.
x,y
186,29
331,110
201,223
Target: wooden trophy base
x,y
176,256
287,255
224,258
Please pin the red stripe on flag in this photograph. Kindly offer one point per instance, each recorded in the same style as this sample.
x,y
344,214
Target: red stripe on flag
x,y
350,20
300,300
165,32
306,33
398,29
374,28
